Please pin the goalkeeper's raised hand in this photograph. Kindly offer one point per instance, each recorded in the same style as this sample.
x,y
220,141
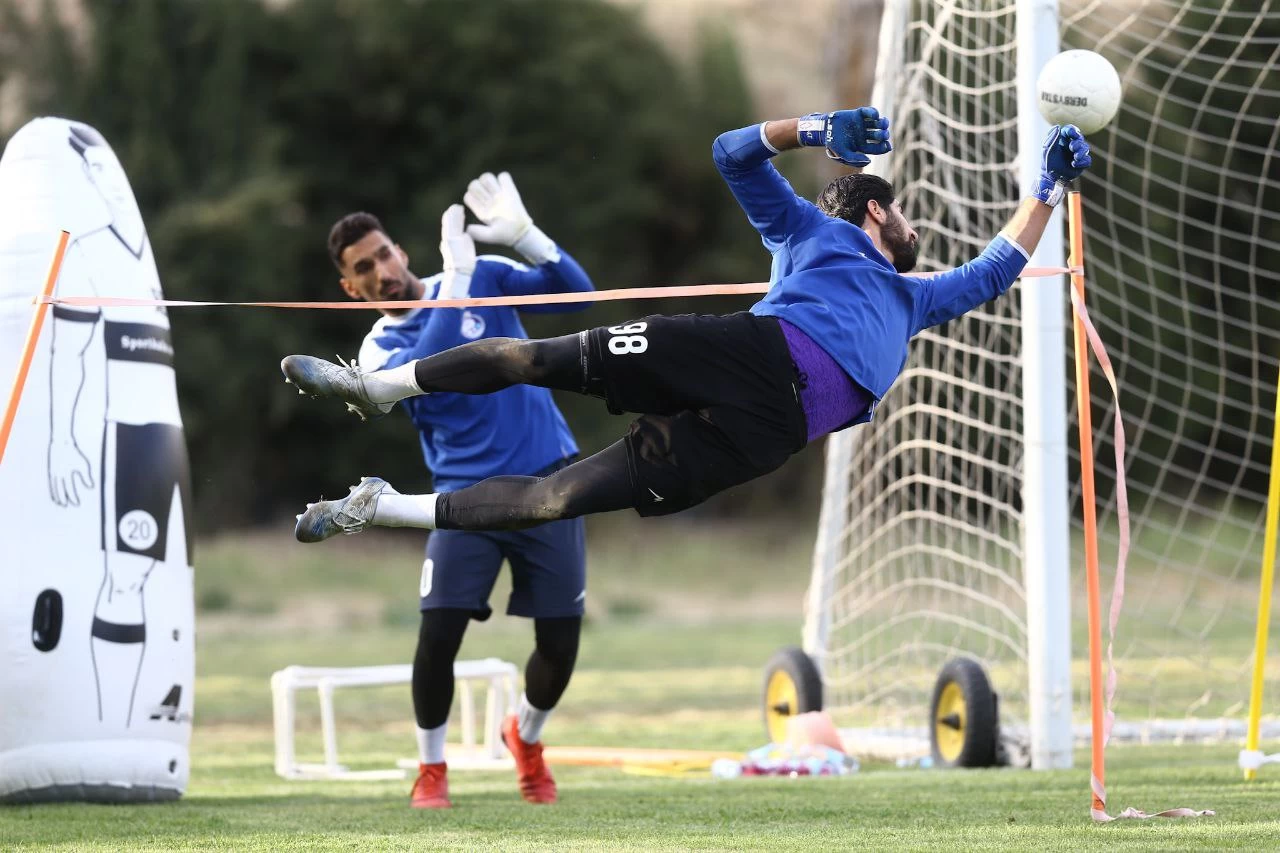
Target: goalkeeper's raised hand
x,y
458,251
496,203
848,135
1064,158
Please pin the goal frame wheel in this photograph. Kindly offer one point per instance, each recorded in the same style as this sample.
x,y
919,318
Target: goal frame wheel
x,y
792,685
964,725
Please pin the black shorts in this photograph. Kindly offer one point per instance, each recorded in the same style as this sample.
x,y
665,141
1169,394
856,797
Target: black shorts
x,y
718,395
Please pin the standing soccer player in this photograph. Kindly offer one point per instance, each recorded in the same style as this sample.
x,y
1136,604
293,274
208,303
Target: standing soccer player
x,y
466,439
723,399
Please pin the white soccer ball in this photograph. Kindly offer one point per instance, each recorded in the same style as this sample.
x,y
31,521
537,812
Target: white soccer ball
x,y
1079,87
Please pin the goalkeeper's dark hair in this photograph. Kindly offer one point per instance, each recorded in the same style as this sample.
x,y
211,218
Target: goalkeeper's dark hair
x,y
350,229
847,197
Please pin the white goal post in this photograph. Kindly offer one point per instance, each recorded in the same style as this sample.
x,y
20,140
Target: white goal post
x,y
949,526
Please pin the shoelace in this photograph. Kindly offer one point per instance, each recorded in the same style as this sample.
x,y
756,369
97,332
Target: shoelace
x,y
352,367
356,372
355,525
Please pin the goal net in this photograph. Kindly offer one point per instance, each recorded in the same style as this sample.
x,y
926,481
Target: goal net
x,y
932,532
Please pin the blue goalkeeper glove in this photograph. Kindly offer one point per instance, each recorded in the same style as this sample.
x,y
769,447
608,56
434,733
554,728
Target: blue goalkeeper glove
x,y
848,135
1065,157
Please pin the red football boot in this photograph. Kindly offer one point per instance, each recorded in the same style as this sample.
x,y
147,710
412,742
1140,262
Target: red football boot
x,y
431,791
536,784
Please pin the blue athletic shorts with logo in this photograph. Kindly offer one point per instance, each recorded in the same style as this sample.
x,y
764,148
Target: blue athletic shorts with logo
x,y
548,570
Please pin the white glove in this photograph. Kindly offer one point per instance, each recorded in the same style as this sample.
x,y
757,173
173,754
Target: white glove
x,y
496,202
459,253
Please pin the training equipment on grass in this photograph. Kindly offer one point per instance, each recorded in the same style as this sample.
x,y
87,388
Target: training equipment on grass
x,y
496,677
1251,757
951,525
965,722
1079,87
639,761
813,728
792,686
97,647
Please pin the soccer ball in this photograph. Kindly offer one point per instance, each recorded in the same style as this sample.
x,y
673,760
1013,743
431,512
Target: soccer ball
x,y
1079,87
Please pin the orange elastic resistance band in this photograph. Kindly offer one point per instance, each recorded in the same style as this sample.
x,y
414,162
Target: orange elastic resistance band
x,y
478,301
33,334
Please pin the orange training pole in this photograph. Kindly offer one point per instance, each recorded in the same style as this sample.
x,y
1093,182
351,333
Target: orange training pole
x,y
1085,429
28,350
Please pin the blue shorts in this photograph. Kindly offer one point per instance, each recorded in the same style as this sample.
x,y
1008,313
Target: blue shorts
x,y
548,570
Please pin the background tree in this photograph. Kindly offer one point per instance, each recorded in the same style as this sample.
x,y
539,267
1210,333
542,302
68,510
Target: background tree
x,y
246,131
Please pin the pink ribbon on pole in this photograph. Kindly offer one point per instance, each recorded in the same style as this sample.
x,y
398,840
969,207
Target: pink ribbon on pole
x,y
1117,593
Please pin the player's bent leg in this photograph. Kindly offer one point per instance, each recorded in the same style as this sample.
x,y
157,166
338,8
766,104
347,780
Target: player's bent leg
x,y
547,674
439,639
545,678
549,669
480,367
599,483
489,365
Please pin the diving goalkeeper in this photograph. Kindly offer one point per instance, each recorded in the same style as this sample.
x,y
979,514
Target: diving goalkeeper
x,y
722,399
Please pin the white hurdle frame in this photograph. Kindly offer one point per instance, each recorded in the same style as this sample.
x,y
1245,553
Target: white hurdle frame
x,y
499,677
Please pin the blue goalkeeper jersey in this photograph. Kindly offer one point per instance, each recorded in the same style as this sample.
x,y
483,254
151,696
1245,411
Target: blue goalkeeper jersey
x,y
468,437
830,281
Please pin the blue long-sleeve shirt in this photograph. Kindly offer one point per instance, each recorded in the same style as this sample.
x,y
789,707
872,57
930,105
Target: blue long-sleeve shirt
x,y
830,281
466,438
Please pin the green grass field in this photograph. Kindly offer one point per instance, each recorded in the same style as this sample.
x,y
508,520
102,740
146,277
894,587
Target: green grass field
x,y
672,654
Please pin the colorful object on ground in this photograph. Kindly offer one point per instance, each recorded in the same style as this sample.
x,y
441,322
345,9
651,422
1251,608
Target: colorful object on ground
x,y
780,759
814,728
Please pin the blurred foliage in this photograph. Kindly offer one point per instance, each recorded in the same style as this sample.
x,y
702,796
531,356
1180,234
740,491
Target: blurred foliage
x,y
247,131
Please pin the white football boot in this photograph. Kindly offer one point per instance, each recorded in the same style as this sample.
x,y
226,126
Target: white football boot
x,y
351,514
321,378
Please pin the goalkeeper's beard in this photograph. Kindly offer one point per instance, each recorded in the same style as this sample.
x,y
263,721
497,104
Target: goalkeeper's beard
x,y
903,248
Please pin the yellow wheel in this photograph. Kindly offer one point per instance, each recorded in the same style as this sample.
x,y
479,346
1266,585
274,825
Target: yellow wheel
x,y
792,686
964,726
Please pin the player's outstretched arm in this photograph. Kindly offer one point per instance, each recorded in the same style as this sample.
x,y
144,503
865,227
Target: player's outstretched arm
x,y
955,292
1064,158
771,205
847,135
497,204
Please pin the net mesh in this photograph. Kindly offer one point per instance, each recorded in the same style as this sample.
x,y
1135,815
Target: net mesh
x,y
925,561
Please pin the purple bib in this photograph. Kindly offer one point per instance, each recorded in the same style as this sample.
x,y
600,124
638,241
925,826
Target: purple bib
x,y
829,397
